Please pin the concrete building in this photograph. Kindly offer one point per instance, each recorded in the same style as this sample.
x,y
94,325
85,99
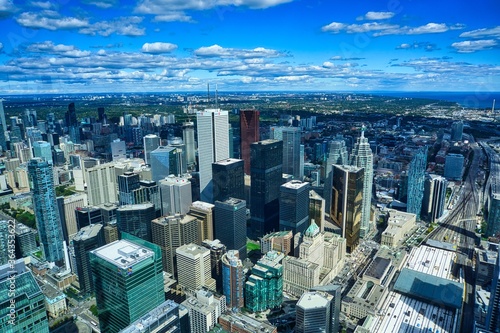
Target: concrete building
x,y
175,194
240,323
314,313
294,206
102,184
25,240
55,301
72,203
204,212
204,310
280,241
398,226
190,142
163,318
193,267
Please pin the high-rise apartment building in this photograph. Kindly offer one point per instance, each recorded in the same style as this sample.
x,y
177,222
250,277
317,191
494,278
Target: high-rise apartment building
x,y
231,225
47,217
3,127
69,214
136,220
128,275
434,197
204,213
151,142
4,243
291,152
233,279
362,157
170,232
87,239
28,300
416,179
228,178
193,267
217,250
101,184
43,149
213,145
249,133
294,206
266,179
175,195
347,200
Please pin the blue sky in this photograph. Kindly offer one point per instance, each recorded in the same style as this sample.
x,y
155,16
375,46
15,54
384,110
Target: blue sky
x,y
69,46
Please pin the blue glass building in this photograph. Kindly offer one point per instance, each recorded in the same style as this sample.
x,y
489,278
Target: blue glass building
x,y
416,179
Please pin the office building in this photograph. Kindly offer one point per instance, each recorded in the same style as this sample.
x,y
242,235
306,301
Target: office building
x,y
228,179
453,166
205,309
264,288
294,206
457,128
217,250
249,133
204,213
87,239
164,161
25,240
317,209
280,241
3,127
110,233
416,179
493,316
118,150
127,184
362,157
314,313
28,299
88,215
170,232
233,279
291,152
128,274
213,145
69,221
193,267
189,141
433,202
47,217
43,149
493,217
136,220
266,179
398,226
151,142
101,184
231,225
162,319
333,293
347,199
175,195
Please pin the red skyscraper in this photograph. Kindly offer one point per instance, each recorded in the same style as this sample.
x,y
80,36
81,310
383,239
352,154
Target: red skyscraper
x,y
249,125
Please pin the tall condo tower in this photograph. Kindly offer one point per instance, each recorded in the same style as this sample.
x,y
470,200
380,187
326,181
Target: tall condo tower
x,y
362,157
47,217
213,145
249,133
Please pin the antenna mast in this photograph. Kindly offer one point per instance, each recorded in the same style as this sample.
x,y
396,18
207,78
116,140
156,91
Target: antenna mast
x,y
493,107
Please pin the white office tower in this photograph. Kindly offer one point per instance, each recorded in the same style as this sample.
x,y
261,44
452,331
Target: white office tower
x,y
194,267
175,193
102,184
151,142
362,157
189,141
313,313
204,310
213,145
118,150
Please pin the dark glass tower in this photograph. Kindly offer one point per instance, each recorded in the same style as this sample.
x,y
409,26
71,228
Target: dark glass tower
x,y
294,206
127,183
87,239
47,217
249,133
231,225
136,220
228,179
266,172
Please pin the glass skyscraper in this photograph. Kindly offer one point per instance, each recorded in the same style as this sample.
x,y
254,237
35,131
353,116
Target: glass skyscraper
x,y
249,133
416,179
291,152
128,278
47,217
231,225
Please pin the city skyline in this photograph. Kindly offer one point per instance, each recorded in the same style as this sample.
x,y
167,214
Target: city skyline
x,y
167,45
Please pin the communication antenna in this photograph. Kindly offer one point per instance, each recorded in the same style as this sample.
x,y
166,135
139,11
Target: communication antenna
x,y
493,107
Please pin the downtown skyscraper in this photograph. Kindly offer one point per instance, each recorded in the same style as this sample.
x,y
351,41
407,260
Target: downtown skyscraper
x,y
249,133
213,145
416,179
362,157
47,217
291,152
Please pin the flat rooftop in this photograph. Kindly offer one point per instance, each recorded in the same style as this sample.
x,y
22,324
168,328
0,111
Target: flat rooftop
x,y
295,184
312,300
123,253
88,232
432,261
205,206
228,161
378,267
161,313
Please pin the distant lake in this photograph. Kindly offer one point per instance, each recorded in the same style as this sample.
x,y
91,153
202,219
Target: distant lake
x,y
465,99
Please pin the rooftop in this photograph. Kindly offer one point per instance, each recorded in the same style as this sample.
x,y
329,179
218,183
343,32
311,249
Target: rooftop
x,y
202,205
295,184
378,267
228,161
312,300
432,261
123,253
88,232
158,314
135,207
192,250
248,323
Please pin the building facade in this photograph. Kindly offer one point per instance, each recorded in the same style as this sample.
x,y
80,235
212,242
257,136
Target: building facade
x,y
231,225
228,179
233,279
416,179
294,206
249,133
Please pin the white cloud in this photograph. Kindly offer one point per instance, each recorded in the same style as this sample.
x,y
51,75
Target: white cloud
x,y
101,3
158,47
43,4
429,28
7,8
469,46
50,20
48,47
219,51
404,46
378,15
173,17
425,46
125,26
159,7
482,33
334,27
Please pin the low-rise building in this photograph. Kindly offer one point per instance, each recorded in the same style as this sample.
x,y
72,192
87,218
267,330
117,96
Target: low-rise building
x,y
280,241
399,225
239,323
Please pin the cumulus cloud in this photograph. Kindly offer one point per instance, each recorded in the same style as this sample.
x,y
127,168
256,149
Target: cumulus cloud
x,y
125,26
470,46
60,49
101,3
50,20
377,16
158,7
222,52
173,17
158,47
340,58
426,46
43,4
482,33
7,8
